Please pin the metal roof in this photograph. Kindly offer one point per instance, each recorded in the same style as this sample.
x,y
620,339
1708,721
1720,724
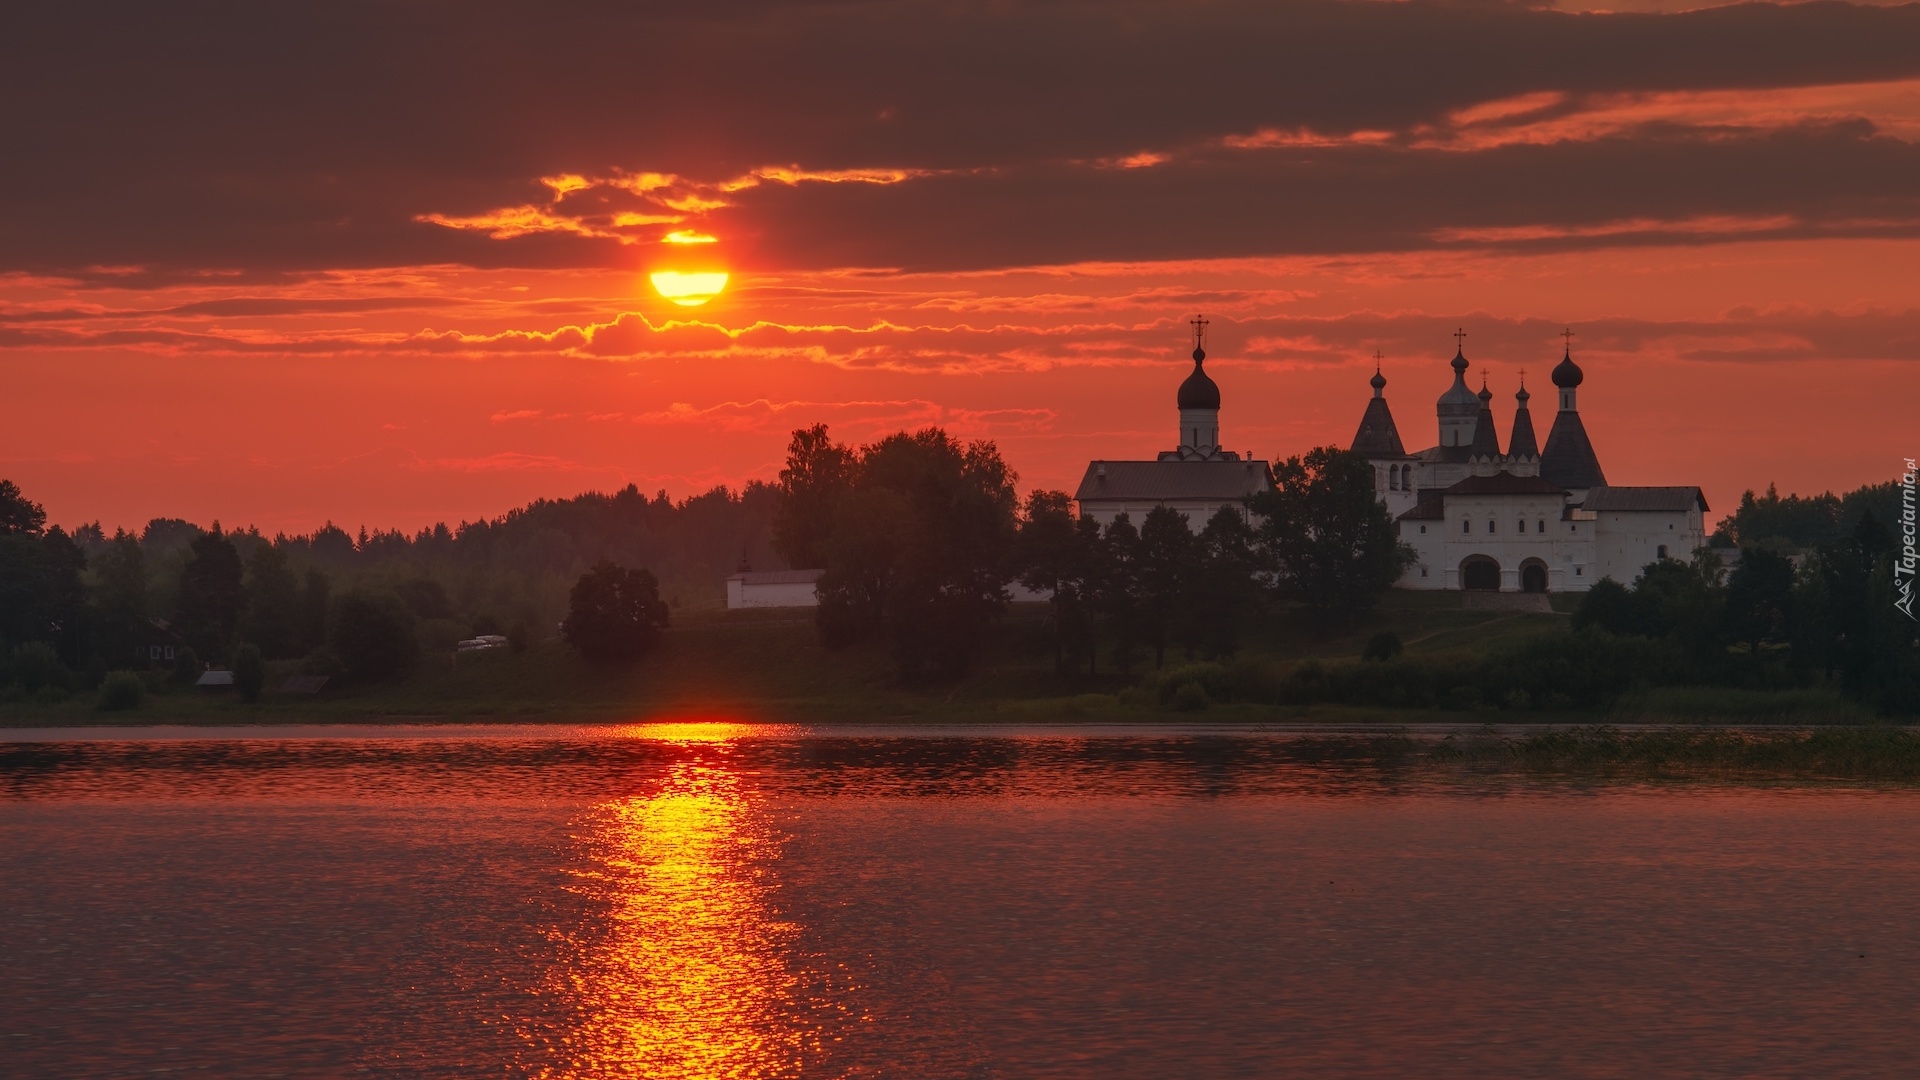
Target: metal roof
x,y
1157,480
1505,483
778,577
1645,499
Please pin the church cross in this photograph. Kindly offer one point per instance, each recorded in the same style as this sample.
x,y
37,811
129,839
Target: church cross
x,y
1199,323
1376,361
1523,378
1568,335
1459,336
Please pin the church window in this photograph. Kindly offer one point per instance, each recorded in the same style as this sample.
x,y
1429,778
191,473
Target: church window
x,y
1522,525
1662,549
1423,529
1543,526
1423,571
1490,525
1466,526
1576,571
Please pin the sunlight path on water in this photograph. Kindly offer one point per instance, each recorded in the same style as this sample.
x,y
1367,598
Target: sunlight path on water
x,y
689,975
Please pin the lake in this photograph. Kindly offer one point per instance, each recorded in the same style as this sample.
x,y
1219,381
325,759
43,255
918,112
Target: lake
x,y
719,900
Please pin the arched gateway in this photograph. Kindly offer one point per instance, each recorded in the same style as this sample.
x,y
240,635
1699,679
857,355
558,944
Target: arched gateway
x,y
1480,573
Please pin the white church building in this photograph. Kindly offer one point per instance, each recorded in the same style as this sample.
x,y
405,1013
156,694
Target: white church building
x,y
1526,518
1196,477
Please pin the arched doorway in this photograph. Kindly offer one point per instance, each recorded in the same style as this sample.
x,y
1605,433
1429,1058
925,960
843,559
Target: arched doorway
x,y
1533,576
1480,574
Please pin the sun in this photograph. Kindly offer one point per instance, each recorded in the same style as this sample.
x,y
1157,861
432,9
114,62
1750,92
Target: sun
x,y
689,289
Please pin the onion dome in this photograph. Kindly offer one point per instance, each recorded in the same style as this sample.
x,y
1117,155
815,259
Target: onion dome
x,y
1378,382
1460,362
1522,396
1486,396
1567,374
1199,391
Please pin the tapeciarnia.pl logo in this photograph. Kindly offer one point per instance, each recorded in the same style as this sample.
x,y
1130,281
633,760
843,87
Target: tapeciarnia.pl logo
x,y
1903,567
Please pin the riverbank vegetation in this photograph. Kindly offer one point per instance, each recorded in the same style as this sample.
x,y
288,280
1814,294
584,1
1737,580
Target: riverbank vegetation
x,y
919,534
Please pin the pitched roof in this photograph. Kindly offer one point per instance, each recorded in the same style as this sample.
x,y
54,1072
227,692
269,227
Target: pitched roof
x,y
777,577
1504,483
1173,480
1378,437
1486,438
1429,508
1568,459
1522,444
1645,499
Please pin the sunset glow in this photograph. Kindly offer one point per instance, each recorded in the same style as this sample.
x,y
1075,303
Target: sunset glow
x,y
689,289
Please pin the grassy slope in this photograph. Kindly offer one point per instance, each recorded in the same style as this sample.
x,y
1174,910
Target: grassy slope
x,y
767,665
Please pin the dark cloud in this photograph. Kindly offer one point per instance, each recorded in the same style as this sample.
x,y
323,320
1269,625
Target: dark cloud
x,y
279,138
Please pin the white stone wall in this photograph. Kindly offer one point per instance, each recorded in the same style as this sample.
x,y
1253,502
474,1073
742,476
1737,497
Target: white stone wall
x,y
1628,540
791,594
1565,547
1200,429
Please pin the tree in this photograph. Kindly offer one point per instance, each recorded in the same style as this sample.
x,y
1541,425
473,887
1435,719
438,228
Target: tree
x,y
1056,556
1118,590
1165,574
819,471
315,601
919,548
1221,585
614,615
119,596
249,672
212,594
275,617
372,634
42,597
1757,598
18,515
1333,545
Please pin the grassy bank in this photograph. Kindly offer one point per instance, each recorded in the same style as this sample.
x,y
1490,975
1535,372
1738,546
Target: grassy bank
x,y
1852,753
768,665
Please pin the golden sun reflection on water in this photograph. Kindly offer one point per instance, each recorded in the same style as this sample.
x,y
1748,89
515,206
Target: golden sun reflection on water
x,y
691,975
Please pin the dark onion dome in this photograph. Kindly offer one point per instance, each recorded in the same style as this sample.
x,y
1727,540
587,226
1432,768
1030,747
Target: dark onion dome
x,y
1378,382
1199,392
1460,362
1567,374
1486,397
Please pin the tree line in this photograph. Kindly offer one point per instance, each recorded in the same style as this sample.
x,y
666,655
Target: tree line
x,y
920,536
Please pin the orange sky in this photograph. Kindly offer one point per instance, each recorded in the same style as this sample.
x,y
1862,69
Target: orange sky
x,y
416,330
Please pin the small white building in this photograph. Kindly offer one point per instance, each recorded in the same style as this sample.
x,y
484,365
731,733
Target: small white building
x,y
1197,477
773,589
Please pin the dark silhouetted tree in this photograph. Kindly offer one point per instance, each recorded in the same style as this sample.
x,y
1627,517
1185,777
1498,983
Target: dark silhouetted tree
x,y
1333,545
1165,572
275,619
1221,585
920,548
212,594
18,514
1117,593
614,615
249,672
818,473
372,634
1757,597
1057,556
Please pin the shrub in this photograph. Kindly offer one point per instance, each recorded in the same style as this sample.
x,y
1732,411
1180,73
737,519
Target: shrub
x,y
121,690
372,634
186,666
249,673
1210,680
35,665
1384,645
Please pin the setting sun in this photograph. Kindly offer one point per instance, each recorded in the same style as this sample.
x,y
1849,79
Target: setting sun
x,y
689,289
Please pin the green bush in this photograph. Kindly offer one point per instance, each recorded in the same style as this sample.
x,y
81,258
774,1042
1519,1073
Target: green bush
x,y
1191,697
186,667
121,690
1211,679
249,673
1384,645
35,665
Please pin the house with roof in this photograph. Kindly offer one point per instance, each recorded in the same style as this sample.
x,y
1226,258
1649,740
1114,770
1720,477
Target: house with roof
x,y
1525,518
1197,477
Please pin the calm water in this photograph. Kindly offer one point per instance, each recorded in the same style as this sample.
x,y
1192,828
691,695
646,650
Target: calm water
x,y
713,901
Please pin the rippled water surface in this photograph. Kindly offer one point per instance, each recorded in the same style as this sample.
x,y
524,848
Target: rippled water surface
x,y
709,900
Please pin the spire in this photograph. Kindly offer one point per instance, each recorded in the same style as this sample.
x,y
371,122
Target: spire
x,y
1486,438
1378,437
1522,443
1459,407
